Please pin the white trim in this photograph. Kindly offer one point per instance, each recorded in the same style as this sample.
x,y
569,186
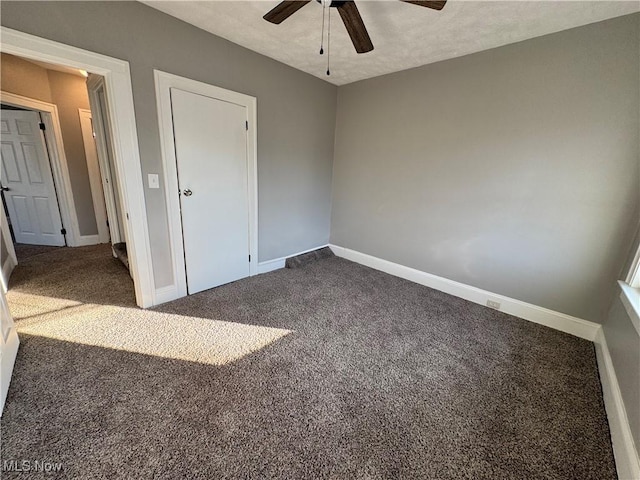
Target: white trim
x,y
633,276
8,348
125,140
631,300
86,240
7,269
9,263
56,152
165,294
559,321
95,85
271,265
163,83
278,263
624,450
7,361
95,181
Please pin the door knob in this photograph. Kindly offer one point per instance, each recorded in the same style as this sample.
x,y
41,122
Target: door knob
x,y
187,193
5,189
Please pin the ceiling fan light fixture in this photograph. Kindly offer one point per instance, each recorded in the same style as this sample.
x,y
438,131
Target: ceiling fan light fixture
x,y
349,14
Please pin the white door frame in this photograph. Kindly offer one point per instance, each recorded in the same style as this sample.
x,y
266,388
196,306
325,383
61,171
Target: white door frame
x,y
95,84
95,179
117,79
59,168
164,82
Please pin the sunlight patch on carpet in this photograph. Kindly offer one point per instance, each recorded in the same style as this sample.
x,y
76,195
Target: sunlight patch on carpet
x,y
194,339
26,306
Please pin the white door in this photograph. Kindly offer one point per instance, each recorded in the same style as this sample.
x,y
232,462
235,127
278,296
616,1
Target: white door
x,y
101,127
27,181
211,154
8,259
8,348
95,179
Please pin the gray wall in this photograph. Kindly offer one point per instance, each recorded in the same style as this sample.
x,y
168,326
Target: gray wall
x,y
296,112
68,93
514,170
623,342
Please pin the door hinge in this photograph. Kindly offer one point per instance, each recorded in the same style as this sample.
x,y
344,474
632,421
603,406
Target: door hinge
x,y
249,258
247,123
63,231
42,126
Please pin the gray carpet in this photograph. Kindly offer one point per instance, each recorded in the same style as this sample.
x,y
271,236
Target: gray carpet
x,y
24,251
371,377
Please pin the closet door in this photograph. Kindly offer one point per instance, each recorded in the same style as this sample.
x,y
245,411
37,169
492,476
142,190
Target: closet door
x,y
210,138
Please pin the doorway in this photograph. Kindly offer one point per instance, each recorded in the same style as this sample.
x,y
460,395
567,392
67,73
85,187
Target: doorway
x,y
50,131
209,152
32,240
32,196
96,126
28,189
117,81
126,156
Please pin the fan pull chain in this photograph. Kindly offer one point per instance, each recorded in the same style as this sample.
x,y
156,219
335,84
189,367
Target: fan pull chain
x,y
329,43
324,8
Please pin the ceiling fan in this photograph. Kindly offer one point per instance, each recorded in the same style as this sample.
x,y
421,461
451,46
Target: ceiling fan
x,y
349,14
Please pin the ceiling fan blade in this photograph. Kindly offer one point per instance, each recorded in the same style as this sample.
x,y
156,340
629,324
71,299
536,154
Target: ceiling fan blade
x,y
435,4
284,10
355,26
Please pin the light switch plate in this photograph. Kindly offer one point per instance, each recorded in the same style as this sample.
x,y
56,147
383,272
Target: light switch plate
x,y
154,181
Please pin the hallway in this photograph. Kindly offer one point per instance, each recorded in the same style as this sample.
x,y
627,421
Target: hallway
x,y
47,279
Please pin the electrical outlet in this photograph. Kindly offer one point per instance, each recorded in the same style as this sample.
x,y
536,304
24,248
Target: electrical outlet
x,y
492,304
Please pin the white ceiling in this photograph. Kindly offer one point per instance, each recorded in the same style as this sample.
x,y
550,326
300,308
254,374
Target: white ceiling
x,y
404,35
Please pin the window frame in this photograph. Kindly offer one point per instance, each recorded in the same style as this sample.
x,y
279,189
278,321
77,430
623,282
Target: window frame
x,y
633,276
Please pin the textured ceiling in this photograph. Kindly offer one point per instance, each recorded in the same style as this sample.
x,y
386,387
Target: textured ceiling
x,y
404,35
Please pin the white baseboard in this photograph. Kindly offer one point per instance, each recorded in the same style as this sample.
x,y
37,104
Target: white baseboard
x,y
271,265
559,321
167,294
86,240
277,263
626,455
627,460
